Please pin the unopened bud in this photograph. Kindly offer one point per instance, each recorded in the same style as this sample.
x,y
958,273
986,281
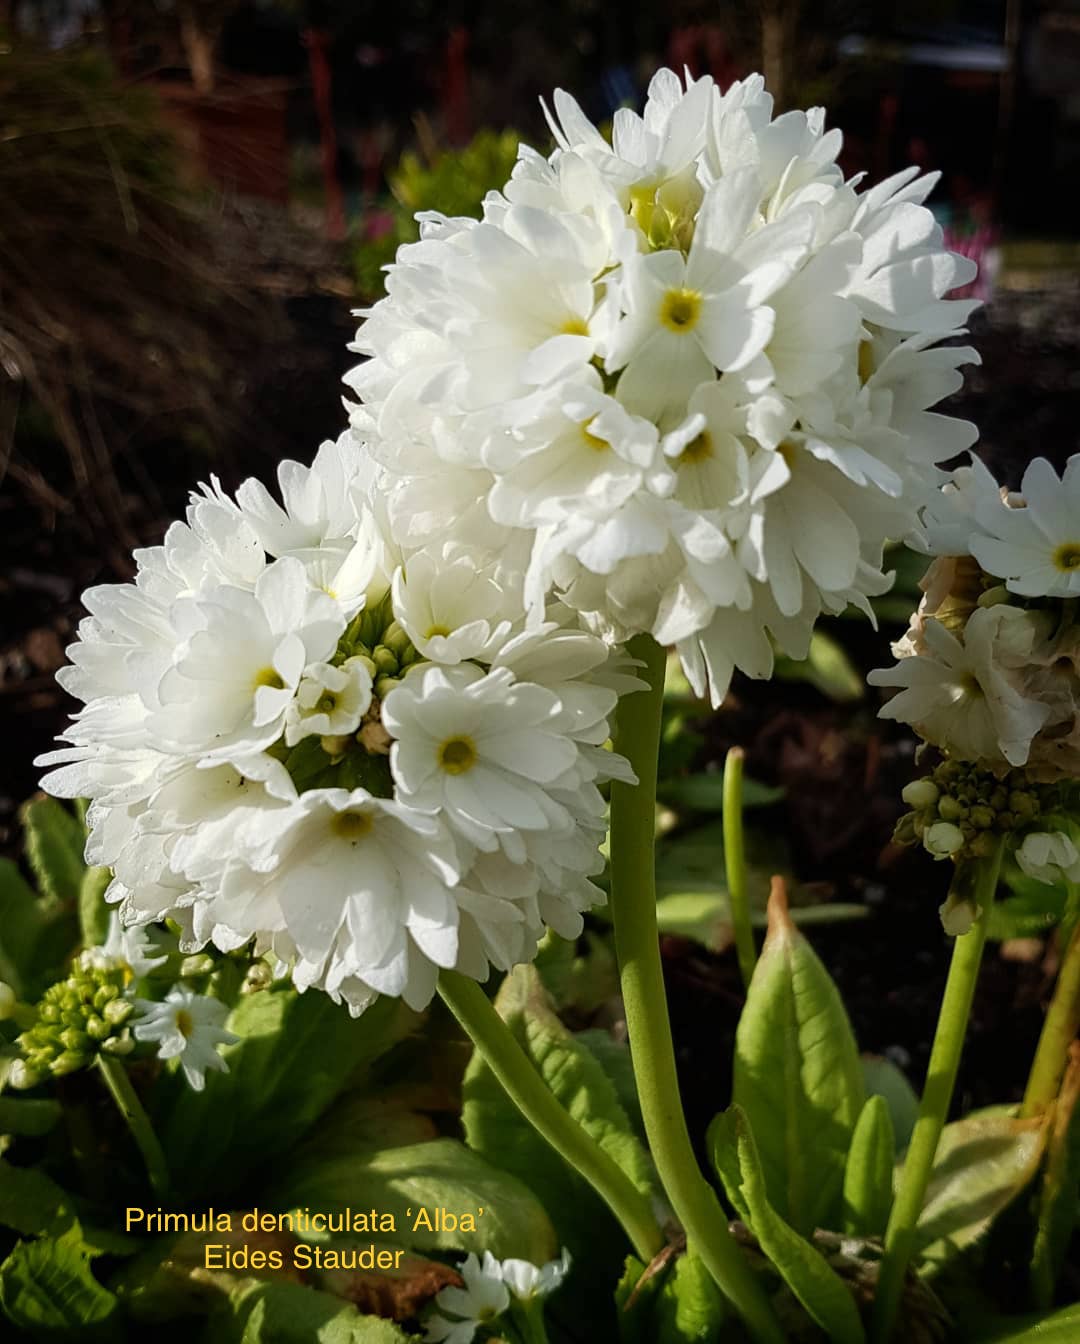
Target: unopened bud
x,y
385,660
8,1000
97,1028
118,1011
905,832
943,840
259,977
951,809
920,793
118,1045
993,597
21,1076
199,964
68,1062
981,816
73,1039
384,685
335,746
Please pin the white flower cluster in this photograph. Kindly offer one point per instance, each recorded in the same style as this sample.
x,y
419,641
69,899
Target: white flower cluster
x,y
295,733
989,669
683,380
491,1288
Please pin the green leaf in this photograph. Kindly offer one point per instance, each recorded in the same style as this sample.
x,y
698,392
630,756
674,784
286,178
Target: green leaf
x,y
983,1162
425,1177
797,1075
22,919
705,916
46,1286
635,1298
94,913
495,1128
679,1303
1059,1189
55,840
868,1175
826,666
614,1058
289,1313
295,1054
27,1116
1030,912
883,1079
803,1268
1062,1327
31,1203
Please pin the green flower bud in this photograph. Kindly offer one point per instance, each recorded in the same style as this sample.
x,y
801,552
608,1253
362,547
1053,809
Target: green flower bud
x,y
199,964
69,1062
21,1076
72,1039
920,793
906,832
8,1000
951,809
259,977
118,1011
118,1045
943,840
97,1028
384,685
993,597
982,817
385,660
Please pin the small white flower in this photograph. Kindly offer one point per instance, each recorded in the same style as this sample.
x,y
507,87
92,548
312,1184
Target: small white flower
x,y
528,1281
330,701
943,840
1049,856
132,948
188,1027
451,608
1036,548
483,1298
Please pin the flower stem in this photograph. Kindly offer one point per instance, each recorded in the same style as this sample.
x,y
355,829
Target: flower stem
x,y
531,1095
1058,1033
130,1107
735,864
633,908
900,1235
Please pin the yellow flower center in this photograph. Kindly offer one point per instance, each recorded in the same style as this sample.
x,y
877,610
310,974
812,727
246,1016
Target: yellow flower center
x,y
352,826
185,1023
699,449
267,676
457,755
593,441
1067,557
680,310
574,326
326,703
866,361
443,630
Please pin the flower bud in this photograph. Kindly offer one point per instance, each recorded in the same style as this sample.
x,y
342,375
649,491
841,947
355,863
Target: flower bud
x,y
69,1062
118,1045
21,1076
73,1039
8,1000
118,1011
993,597
201,963
97,1028
951,809
943,840
335,746
920,793
385,660
981,816
259,977
906,832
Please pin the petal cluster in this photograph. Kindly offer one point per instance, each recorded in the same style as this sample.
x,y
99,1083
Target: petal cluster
x,y
683,379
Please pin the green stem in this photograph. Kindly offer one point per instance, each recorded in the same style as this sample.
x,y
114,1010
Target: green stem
x,y
130,1107
633,908
529,1319
1058,1033
531,1095
900,1235
735,864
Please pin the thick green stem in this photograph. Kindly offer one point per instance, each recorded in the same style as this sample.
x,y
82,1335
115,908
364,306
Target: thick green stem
x,y
900,1235
633,908
735,864
1058,1033
531,1095
130,1107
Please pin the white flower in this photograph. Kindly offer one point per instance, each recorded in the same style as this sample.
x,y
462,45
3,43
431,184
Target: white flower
x,y
132,948
1049,856
330,701
943,840
450,608
682,382
483,1298
528,1281
960,694
1035,548
188,1027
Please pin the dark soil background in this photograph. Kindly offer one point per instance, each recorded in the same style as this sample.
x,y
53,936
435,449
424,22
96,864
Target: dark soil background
x,y
841,768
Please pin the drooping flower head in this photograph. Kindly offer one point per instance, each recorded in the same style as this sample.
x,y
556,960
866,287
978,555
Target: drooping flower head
x,y
683,380
294,735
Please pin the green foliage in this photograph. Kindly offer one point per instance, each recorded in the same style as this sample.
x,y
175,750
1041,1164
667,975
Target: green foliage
x,y
454,182
1062,1327
868,1175
54,849
883,1079
495,1128
1059,1190
295,1054
677,1304
983,1162
289,1313
803,1268
826,667
47,1287
798,1077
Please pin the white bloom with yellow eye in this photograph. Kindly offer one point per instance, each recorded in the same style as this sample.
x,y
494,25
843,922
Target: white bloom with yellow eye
x,y
1035,548
187,1027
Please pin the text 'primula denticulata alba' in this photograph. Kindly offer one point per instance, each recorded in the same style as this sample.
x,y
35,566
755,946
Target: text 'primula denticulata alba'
x,y
682,380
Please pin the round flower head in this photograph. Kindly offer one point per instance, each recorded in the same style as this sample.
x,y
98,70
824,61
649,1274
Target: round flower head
x,y
358,761
685,379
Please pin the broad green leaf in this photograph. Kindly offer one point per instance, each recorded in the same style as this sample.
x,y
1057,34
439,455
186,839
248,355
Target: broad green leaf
x,y
495,1128
693,860
413,1184
46,1286
705,792
673,1303
289,1313
705,916
578,981
94,913
827,667
884,1079
295,1054
803,1268
22,919
31,1203
1031,912
797,1075
983,1162
55,839
868,1175
614,1058
1061,1327
28,1116
1059,1189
